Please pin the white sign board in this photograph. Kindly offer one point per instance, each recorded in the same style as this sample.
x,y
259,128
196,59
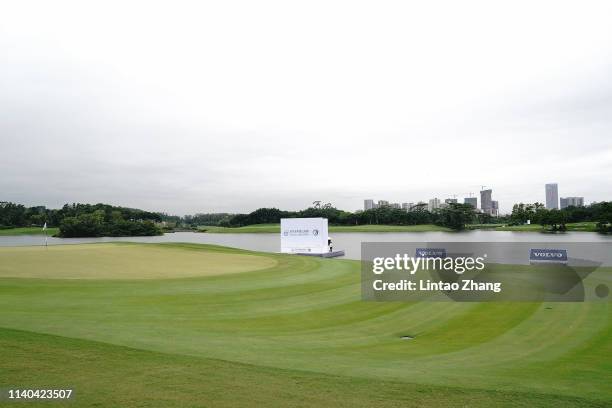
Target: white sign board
x,y
304,235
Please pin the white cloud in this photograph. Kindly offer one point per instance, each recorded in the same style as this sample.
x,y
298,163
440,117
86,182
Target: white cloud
x,y
192,106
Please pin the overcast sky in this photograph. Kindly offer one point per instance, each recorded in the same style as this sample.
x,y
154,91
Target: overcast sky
x,y
230,106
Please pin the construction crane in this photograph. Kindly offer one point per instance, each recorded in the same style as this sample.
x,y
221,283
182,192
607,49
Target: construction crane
x,y
481,187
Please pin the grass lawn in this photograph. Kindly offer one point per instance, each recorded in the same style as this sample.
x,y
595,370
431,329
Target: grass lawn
x,y
275,228
484,226
28,231
115,376
129,327
573,226
121,261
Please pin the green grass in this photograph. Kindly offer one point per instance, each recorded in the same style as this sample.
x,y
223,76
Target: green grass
x,y
573,226
115,376
484,226
121,261
292,333
28,231
275,228
252,229
388,228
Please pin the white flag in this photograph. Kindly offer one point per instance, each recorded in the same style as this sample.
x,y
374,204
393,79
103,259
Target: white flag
x,y
45,226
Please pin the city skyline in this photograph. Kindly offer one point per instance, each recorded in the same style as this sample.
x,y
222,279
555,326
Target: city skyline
x,y
491,206
487,204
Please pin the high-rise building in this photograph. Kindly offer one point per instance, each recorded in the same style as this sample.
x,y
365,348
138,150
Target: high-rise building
x,y
494,208
576,201
383,203
396,205
473,201
368,204
485,201
552,196
571,201
450,200
407,206
434,204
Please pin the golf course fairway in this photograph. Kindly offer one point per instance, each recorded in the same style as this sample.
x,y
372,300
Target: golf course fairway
x,y
173,325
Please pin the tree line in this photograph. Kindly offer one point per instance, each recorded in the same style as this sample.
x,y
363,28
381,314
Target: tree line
x,y
83,220
92,220
86,220
556,220
455,216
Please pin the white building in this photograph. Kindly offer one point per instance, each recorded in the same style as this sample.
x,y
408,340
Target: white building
x,y
407,206
368,205
552,196
434,204
571,201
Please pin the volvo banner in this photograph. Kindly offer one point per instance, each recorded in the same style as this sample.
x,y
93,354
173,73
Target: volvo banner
x,y
548,255
304,235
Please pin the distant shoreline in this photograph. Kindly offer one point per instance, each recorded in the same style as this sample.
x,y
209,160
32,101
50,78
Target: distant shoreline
x,y
275,228
28,231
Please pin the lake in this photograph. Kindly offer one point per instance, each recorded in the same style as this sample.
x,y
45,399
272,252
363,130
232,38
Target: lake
x,y
349,241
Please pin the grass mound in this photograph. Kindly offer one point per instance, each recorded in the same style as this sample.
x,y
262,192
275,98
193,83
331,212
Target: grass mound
x,y
123,261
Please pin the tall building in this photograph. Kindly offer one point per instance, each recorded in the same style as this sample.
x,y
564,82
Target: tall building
x,y
552,196
383,203
571,201
473,201
494,208
485,201
434,204
450,200
407,206
396,205
368,204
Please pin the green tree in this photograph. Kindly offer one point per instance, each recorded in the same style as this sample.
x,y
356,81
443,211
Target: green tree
x,y
456,216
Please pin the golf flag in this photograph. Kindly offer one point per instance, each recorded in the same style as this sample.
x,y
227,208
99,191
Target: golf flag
x,y
45,227
45,231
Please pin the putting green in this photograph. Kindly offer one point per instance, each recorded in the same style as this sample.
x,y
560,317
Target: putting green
x,y
122,261
293,334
